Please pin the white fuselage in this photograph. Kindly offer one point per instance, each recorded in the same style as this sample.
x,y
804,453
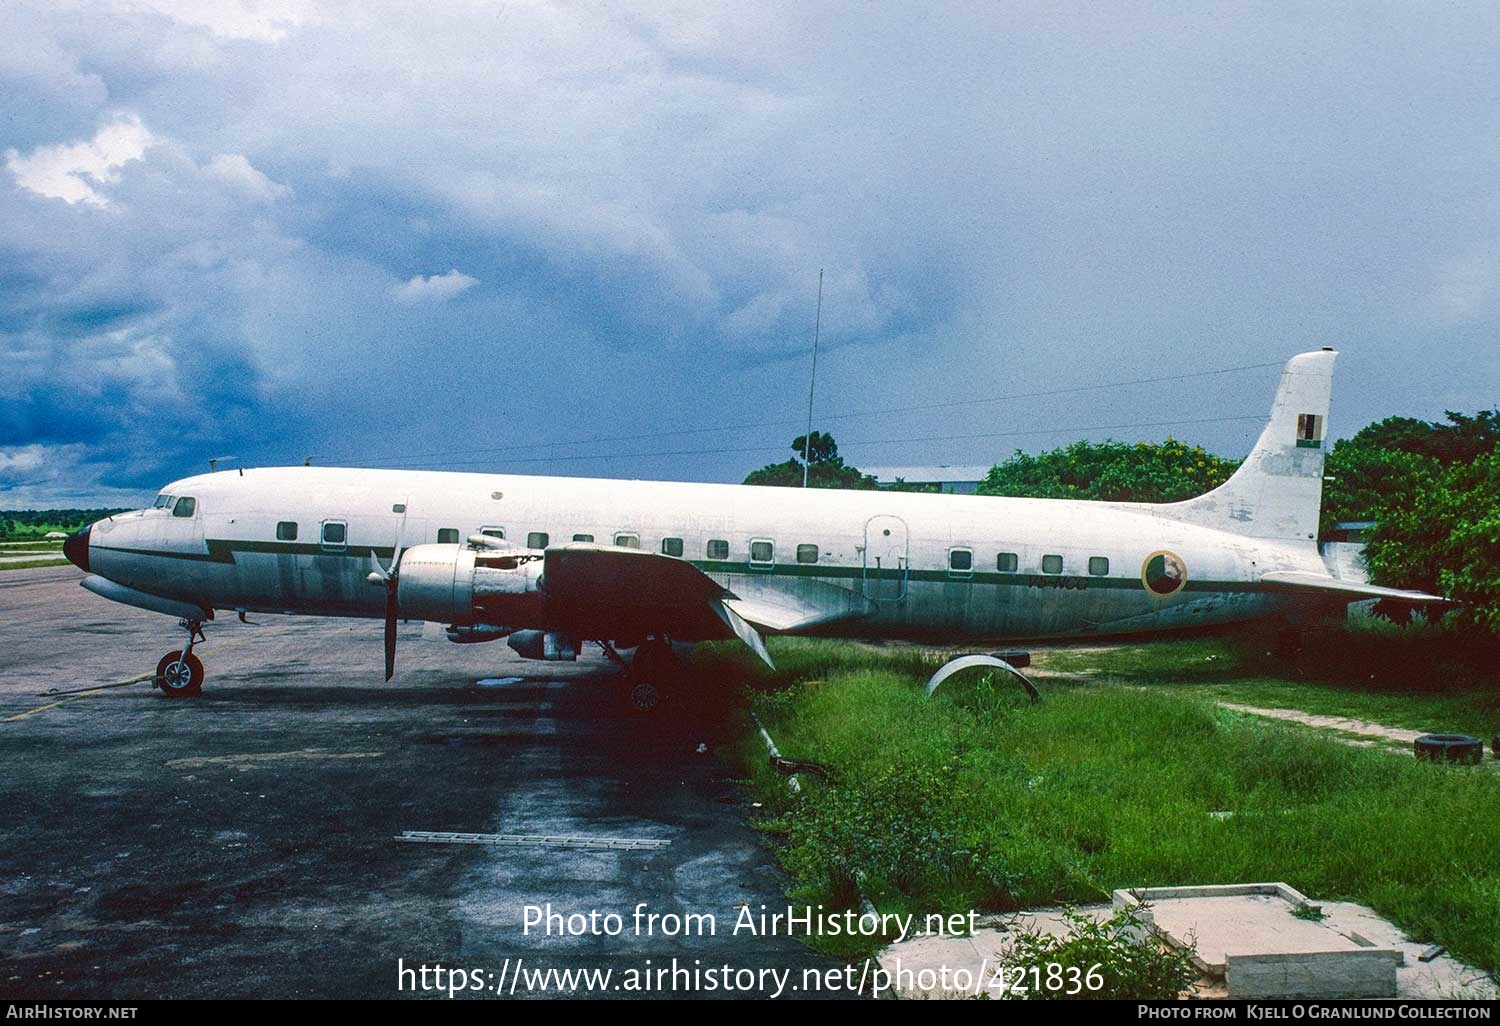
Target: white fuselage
x,y
882,564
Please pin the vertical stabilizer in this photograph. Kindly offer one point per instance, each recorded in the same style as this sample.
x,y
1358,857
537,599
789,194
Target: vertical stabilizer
x,y
1276,492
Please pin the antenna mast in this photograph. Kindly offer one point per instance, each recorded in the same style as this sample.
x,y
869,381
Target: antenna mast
x,y
813,384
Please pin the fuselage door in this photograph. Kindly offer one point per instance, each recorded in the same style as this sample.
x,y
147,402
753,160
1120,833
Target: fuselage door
x,y
886,558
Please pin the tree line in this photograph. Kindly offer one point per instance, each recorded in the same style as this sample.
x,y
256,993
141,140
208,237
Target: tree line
x,y
20,524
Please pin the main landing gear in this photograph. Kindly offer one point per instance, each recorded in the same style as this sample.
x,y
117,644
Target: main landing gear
x,y
654,673
180,673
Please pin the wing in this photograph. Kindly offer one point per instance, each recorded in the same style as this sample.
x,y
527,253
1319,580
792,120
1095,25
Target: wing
x,y
1298,582
598,591
788,605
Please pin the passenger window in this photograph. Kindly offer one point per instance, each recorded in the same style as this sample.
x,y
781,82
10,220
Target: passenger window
x,y
762,553
1051,564
335,535
583,537
1099,565
628,541
1007,562
447,536
399,507
807,553
961,562
493,532
537,540
186,507
286,531
671,546
718,548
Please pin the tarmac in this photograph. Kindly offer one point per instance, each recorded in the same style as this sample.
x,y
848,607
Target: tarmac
x,y
241,844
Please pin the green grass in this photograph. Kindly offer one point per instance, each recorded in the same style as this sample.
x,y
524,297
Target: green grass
x,y
1418,678
31,564
980,799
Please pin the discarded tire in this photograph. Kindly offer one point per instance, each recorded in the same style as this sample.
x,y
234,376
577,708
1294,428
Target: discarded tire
x,y
1457,748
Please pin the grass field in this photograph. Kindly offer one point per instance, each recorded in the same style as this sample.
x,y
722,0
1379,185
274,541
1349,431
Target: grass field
x,y
31,564
978,798
1420,678
46,553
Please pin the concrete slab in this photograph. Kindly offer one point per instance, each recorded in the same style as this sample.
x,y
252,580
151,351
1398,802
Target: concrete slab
x,y
1378,960
1251,937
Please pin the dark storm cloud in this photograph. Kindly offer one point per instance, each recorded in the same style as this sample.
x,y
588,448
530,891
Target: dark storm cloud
x,y
375,231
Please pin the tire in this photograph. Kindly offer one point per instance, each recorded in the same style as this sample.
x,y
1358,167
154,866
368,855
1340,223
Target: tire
x,y
642,697
653,671
1454,748
173,681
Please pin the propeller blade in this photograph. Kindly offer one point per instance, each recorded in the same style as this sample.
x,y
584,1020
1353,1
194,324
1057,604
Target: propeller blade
x,y
391,583
390,629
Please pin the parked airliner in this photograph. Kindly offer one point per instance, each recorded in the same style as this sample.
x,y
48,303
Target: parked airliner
x,y
551,562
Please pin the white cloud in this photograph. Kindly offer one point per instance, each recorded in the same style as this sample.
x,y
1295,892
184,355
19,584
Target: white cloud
x,y
24,460
42,476
260,21
65,170
237,171
436,288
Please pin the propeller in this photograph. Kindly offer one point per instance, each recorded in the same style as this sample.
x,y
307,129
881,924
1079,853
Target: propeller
x,y
390,578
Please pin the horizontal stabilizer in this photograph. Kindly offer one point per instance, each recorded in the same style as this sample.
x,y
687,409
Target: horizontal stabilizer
x,y
1300,582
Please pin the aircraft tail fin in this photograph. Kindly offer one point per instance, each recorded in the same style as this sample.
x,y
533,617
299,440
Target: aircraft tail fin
x,y
1276,493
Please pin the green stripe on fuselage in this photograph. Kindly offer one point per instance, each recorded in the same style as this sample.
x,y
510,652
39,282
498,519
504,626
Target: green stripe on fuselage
x,y
223,551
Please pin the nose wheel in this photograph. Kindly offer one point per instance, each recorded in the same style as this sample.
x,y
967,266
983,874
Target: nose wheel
x,y
180,673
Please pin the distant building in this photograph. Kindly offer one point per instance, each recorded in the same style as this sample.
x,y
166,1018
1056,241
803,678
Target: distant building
x,y
56,535
957,480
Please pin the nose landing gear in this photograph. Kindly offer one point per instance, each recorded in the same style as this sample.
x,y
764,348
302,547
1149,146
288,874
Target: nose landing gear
x,y
180,673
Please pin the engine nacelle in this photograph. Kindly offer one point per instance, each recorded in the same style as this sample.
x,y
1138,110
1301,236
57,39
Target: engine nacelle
x,y
548,645
458,585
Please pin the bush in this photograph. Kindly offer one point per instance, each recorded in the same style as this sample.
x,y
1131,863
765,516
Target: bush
x,y
1113,959
894,833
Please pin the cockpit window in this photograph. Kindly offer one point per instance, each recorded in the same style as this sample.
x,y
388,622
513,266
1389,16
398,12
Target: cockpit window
x,y
186,507
162,501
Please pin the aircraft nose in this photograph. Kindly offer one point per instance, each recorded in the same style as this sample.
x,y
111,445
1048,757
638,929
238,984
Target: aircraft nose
x,y
76,548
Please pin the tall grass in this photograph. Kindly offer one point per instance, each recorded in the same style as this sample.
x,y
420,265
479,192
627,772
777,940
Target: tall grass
x,y
979,798
1420,677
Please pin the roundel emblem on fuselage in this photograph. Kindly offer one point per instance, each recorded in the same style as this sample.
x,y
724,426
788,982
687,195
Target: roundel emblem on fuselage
x,y
1164,573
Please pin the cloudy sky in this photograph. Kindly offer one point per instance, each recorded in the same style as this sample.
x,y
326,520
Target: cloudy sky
x,y
585,238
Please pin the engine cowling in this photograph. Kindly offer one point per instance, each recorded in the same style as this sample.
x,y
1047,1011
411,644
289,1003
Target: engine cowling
x,y
548,645
458,585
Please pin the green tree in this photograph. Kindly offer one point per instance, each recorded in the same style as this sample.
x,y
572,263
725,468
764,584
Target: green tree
x,y
1113,471
1441,534
826,468
1384,465
1433,490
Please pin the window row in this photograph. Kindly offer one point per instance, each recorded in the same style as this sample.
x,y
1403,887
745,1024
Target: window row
x,y
762,550
961,560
